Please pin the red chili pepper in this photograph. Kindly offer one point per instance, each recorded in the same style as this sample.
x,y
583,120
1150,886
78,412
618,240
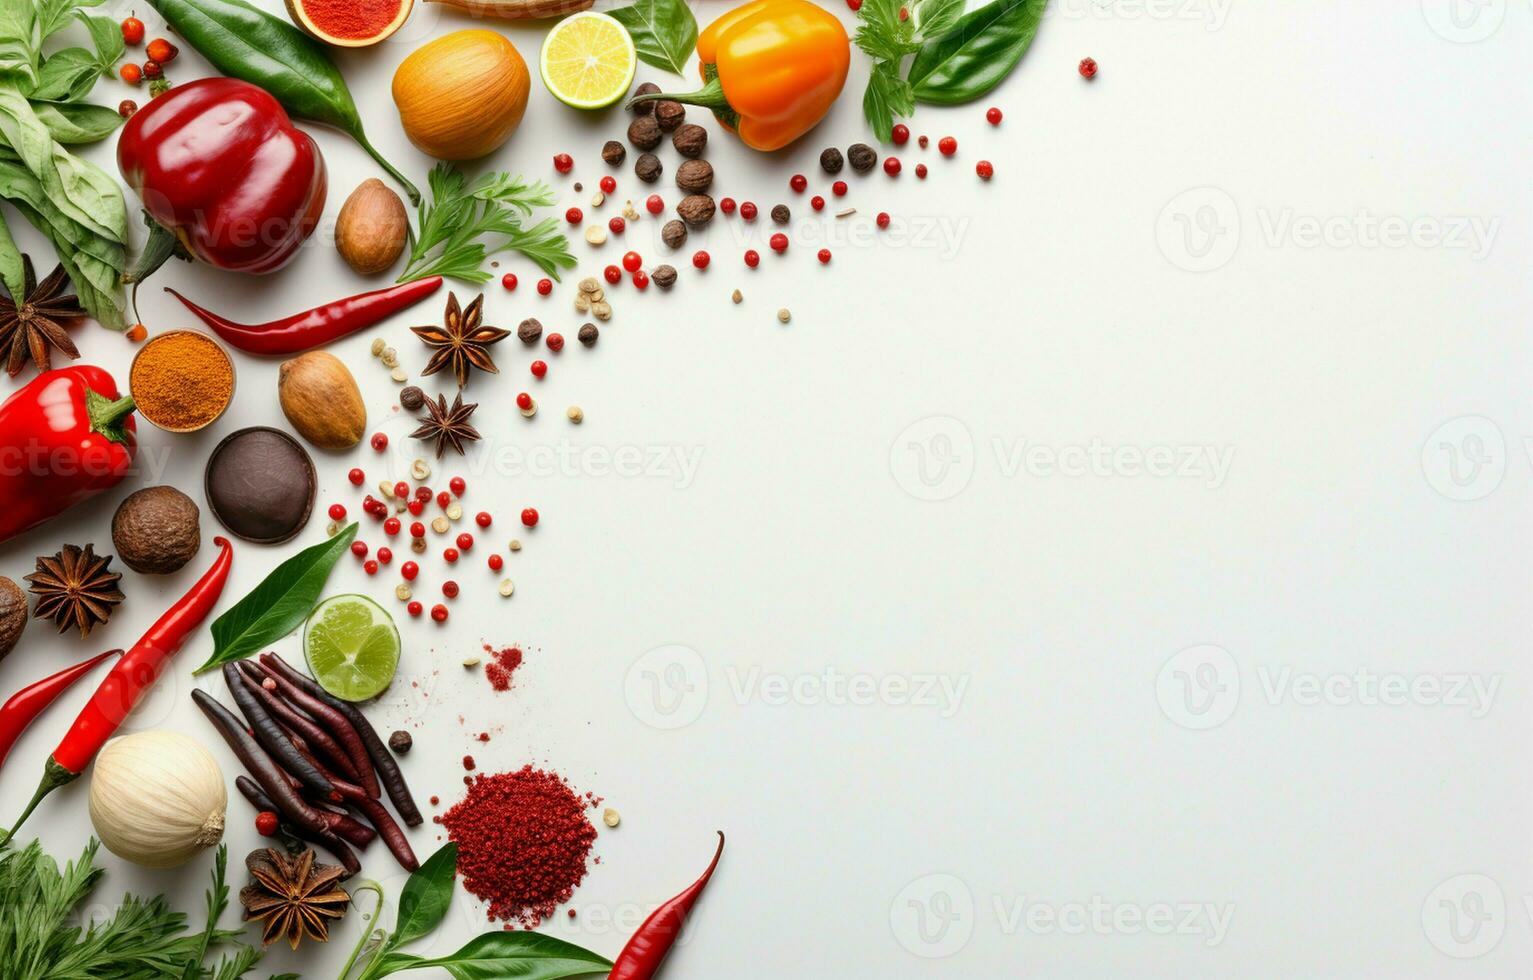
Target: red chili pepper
x,y
318,326
646,949
26,704
131,676
64,436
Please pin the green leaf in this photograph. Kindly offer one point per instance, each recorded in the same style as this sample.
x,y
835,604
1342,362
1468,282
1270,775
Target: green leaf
x,y
504,955
664,32
977,54
12,273
73,123
888,95
423,902
65,76
107,37
278,605
935,18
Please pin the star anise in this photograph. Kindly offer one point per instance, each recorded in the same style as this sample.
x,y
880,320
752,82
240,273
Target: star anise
x,y
293,897
75,587
462,341
448,426
30,327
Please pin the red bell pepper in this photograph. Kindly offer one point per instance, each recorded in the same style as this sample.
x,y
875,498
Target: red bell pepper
x,y
219,164
65,436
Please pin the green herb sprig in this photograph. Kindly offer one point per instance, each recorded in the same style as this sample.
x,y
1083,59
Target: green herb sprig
x,y
451,230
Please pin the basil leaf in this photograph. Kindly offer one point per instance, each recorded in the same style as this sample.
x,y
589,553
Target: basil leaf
x,y
12,274
72,123
107,37
981,50
504,955
888,95
426,896
66,76
278,605
664,32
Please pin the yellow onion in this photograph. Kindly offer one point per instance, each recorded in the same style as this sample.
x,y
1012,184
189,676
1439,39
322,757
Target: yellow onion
x,y
157,798
462,95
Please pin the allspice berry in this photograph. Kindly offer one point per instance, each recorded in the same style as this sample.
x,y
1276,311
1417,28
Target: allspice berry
x,y
670,114
830,160
400,741
644,132
690,140
862,157
648,168
664,276
13,615
694,176
411,399
529,331
674,234
613,153
781,214
588,334
156,530
696,209
645,108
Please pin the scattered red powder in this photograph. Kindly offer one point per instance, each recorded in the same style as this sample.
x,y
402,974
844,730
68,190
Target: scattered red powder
x,y
502,666
523,838
351,19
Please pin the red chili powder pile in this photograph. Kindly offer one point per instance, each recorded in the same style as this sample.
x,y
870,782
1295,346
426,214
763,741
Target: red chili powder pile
x,y
523,838
351,19
502,666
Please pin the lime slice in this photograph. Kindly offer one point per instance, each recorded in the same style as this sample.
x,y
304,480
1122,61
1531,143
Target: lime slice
x,y
588,60
352,647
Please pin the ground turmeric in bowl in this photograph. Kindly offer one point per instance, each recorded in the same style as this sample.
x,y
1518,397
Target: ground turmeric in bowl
x,y
182,380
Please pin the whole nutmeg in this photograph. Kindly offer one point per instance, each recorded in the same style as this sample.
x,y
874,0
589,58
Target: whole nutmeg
x,y
830,160
156,530
690,140
664,276
411,398
370,231
644,132
613,153
669,114
674,234
696,209
645,108
781,214
321,400
694,176
529,330
862,157
13,615
648,168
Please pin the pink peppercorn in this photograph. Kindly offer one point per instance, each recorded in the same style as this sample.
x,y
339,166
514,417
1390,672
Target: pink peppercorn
x,y
985,169
993,116
359,548
529,517
380,442
920,171
555,342
356,476
391,526
495,562
408,571
545,286
450,589
817,202
882,219
450,555
613,274
798,182
465,542
838,188
616,225
947,146
483,518
337,512
384,555
778,242
752,257
1088,68
892,166
654,204
747,211
727,205
700,259
824,256
508,281
641,280
457,486
632,261
414,609
574,216
539,368
563,163
901,134
439,613
608,184
370,567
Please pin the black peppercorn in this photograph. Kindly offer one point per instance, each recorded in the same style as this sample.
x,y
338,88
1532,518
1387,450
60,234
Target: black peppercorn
x,y
670,114
588,334
664,276
674,234
400,742
830,160
862,157
780,214
645,108
648,168
529,331
613,153
696,209
694,176
411,399
690,140
644,132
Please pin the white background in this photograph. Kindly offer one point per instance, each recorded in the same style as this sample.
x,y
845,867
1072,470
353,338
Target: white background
x,y
1057,305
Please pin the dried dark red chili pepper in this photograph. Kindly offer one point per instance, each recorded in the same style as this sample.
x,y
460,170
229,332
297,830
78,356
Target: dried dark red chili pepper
x,y
392,836
318,326
25,705
130,677
273,739
653,939
294,721
341,824
340,728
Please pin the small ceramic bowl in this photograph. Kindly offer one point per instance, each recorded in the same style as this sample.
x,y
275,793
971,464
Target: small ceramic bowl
x,y
155,347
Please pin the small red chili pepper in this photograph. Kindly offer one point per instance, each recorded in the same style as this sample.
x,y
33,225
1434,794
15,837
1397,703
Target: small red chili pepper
x,y
135,673
647,947
26,704
318,326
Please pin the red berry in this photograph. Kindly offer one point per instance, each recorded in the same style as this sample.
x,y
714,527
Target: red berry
x,y
379,442
266,822
855,5
417,529
539,369
161,50
641,280
612,274
483,518
414,609
415,507
892,166
402,490
947,146
465,542
359,548
423,493
508,281
152,70
574,216
985,169
700,259
126,108
370,567
495,562
904,14
838,188
632,261
823,255
901,134
133,31
752,257
450,555
727,205
993,116
545,286
920,171
384,555
882,219
524,401
748,211
817,202
409,570
337,512
616,225
654,204
450,589
131,73
563,163
1088,68
442,499
529,517
457,486
608,184
391,526
798,182
555,342
439,613
922,141
356,476
778,242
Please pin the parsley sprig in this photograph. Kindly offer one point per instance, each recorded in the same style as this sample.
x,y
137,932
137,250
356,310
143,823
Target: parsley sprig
x,y
888,39
455,231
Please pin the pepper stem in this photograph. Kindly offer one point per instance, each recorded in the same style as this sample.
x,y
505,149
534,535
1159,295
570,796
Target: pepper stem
x,y
54,776
399,178
107,415
710,96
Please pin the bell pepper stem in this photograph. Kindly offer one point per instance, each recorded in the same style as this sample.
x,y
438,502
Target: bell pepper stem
x,y
710,96
107,414
54,776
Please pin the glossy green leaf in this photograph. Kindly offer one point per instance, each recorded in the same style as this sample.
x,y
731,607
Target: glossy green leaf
x,y
977,54
504,955
278,605
664,32
426,896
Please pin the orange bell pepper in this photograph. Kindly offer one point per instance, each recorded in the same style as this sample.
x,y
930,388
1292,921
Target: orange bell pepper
x,y
771,70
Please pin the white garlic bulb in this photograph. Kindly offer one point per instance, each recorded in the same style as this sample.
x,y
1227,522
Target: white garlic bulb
x,y
157,798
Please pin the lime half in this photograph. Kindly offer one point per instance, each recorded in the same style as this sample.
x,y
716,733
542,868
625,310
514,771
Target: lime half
x,y
588,60
352,647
